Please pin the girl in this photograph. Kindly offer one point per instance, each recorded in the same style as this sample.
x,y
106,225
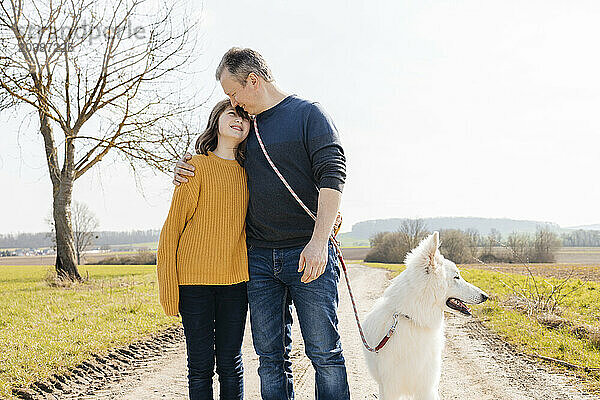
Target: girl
x,y
202,262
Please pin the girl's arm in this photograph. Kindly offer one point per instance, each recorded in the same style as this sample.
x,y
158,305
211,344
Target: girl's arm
x,y
183,206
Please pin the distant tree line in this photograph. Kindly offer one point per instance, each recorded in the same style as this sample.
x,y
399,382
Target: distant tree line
x,y
467,247
128,237
581,238
43,239
25,240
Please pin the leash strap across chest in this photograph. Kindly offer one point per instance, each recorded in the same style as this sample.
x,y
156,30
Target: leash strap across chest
x,y
336,246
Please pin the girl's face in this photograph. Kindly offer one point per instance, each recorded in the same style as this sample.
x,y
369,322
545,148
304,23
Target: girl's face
x,y
232,125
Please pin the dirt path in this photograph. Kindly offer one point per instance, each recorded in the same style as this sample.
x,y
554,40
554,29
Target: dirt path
x,y
477,365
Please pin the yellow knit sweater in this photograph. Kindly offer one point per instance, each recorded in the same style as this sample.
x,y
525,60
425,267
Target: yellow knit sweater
x,y
203,240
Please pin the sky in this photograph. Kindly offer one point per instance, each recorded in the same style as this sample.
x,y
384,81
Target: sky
x,y
444,108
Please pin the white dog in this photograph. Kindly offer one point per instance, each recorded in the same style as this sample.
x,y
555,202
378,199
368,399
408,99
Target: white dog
x,y
409,365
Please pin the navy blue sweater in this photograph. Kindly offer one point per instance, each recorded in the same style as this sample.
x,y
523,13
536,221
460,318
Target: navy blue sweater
x,y
304,144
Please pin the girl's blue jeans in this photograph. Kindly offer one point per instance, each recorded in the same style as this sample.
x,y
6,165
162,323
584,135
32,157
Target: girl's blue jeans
x,y
213,319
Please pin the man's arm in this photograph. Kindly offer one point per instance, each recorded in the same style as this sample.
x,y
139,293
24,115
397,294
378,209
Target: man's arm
x,y
329,169
183,169
313,258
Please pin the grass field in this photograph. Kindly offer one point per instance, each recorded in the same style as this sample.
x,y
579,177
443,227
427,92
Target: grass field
x,y
347,240
581,271
578,255
48,260
46,330
148,245
531,333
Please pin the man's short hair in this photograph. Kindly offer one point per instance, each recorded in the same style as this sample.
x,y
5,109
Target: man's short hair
x,y
241,62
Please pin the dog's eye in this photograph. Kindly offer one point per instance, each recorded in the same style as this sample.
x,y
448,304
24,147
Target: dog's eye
x,y
457,277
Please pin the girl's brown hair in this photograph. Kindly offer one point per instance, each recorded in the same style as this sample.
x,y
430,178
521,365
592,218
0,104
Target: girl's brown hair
x,y
209,138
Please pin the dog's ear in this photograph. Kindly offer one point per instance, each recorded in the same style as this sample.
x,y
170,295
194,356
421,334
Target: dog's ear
x,y
434,244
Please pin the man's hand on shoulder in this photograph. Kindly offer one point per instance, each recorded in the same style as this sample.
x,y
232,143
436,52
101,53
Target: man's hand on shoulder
x,y
183,169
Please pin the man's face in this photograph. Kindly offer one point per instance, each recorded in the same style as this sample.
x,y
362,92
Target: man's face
x,y
244,96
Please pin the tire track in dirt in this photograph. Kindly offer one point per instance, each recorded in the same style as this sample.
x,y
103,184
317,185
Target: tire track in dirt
x,y
101,373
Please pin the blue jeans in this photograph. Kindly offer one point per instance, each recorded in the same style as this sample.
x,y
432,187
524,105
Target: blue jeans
x,y
213,319
274,284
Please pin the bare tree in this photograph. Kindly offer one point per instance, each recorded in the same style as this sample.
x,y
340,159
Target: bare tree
x,y
520,246
492,240
474,241
386,247
85,225
546,244
413,230
455,245
108,76
393,246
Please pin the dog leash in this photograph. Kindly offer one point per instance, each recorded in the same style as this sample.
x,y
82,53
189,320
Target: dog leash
x,y
338,251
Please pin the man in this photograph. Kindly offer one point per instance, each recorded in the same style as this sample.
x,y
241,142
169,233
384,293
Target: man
x,y
290,258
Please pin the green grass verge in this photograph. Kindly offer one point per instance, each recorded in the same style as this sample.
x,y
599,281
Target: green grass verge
x,y
45,330
582,307
347,240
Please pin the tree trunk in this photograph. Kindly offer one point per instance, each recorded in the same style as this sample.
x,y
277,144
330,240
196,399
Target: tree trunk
x,y
62,189
66,266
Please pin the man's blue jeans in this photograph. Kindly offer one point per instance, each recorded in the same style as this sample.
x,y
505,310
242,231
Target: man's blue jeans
x,y
274,284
